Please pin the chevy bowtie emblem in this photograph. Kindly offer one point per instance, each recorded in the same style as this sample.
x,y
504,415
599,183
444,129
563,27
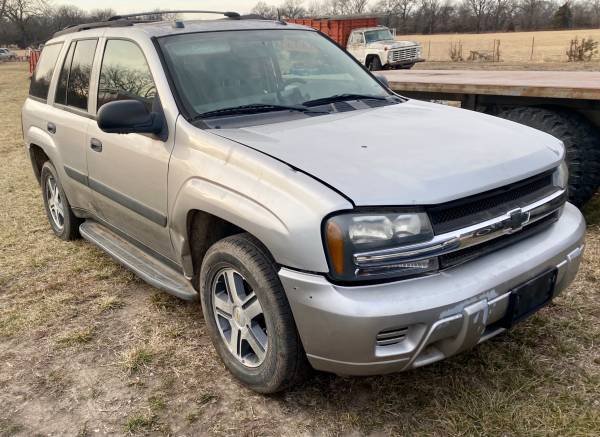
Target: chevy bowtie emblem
x,y
517,219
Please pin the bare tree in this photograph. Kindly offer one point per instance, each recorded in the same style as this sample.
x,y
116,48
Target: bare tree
x,y
3,5
21,12
430,10
292,9
265,10
479,9
594,6
317,8
358,6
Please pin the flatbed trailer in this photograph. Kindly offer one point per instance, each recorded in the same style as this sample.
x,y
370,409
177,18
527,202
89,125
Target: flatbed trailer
x,y
565,104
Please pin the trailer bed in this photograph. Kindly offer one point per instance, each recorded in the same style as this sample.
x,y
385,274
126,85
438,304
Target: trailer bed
x,y
546,84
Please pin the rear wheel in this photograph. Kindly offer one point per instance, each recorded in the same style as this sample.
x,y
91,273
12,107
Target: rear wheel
x,y
62,220
582,143
248,315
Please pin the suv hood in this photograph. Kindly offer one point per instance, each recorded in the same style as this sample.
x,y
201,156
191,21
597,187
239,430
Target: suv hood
x,y
412,153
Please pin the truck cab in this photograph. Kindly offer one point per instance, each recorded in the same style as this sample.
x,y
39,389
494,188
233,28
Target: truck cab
x,y
377,49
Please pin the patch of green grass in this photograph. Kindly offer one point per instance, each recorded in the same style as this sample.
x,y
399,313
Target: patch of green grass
x,y
139,422
10,324
137,359
9,428
164,301
77,337
157,403
206,398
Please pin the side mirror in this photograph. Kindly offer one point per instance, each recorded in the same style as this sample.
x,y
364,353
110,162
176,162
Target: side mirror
x,y
382,80
129,116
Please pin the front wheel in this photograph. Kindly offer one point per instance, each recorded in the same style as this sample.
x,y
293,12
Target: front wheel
x,y
375,64
248,315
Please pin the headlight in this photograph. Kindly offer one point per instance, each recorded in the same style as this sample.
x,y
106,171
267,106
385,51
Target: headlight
x,y
561,176
357,244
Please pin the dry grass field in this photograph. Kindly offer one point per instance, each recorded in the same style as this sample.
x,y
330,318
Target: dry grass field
x,y
549,46
87,349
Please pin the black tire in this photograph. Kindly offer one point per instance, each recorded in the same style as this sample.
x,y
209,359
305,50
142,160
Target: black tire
x,y
70,223
285,363
375,64
582,142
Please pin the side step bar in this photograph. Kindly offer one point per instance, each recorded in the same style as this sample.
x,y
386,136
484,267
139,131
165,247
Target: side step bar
x,y
141,263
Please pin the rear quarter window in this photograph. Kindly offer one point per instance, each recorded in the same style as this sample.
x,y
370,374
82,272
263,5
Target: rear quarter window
x,y
40,82
73,86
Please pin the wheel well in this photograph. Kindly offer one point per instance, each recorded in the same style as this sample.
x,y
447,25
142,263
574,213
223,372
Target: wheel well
x,y
204,230
38,158
370,58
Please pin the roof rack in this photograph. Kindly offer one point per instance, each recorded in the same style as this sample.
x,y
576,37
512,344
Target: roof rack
x,y
233,15
86,26
125,20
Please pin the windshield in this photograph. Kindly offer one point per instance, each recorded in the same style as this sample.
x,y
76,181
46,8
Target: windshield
x,y
378,35
217,70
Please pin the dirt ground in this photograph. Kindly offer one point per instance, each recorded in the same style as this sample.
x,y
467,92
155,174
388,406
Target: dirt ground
x,y
87,349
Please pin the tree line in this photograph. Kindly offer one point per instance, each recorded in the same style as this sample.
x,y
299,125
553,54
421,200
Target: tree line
x,y
32,22
450,16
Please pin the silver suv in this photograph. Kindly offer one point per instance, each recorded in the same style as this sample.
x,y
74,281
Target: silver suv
x,y
320,219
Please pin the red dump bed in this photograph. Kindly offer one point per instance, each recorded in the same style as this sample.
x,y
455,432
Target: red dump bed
x,y
337,29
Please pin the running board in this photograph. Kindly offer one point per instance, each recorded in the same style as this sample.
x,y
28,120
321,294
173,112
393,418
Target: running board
x,y
147,267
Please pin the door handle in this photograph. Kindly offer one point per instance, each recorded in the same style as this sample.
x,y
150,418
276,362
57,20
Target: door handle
x,y
51,127
96,145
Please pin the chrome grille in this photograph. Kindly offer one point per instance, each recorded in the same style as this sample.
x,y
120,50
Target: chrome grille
x,y
404,54
468,211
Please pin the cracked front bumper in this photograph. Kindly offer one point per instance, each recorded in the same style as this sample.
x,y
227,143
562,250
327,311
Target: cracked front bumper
x,y
432,317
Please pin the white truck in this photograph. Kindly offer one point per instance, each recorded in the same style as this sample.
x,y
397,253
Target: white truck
x,y
377,49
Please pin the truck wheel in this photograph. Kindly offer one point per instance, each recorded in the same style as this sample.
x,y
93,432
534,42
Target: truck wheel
x,y
374,64
581,140
64,223
248,316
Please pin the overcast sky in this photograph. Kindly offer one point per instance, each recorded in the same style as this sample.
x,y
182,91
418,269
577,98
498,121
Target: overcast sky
x,y
122,6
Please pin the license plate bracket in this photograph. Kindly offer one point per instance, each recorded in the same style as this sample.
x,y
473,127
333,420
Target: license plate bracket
x,y
529,297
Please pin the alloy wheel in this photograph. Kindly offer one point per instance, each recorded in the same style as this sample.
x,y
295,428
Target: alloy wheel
x,y
55,203
240,317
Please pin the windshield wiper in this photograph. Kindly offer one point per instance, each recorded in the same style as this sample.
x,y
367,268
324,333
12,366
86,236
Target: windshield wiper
x,y
342,97
256,108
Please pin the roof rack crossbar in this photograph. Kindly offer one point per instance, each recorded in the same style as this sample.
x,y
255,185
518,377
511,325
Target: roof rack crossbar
x,y
233,15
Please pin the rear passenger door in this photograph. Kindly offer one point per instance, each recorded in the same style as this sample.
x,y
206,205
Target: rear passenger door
x,y
128,173
70,117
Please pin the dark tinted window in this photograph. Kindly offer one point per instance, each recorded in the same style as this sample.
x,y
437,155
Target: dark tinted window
x,y
43,72
73,86
63,79
125,74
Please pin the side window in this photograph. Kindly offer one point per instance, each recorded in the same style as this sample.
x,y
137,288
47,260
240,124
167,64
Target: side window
x,y
125,74
73,86
40,82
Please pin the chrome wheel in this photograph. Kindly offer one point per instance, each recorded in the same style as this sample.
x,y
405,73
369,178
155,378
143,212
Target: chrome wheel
x,y
240,318
55,203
